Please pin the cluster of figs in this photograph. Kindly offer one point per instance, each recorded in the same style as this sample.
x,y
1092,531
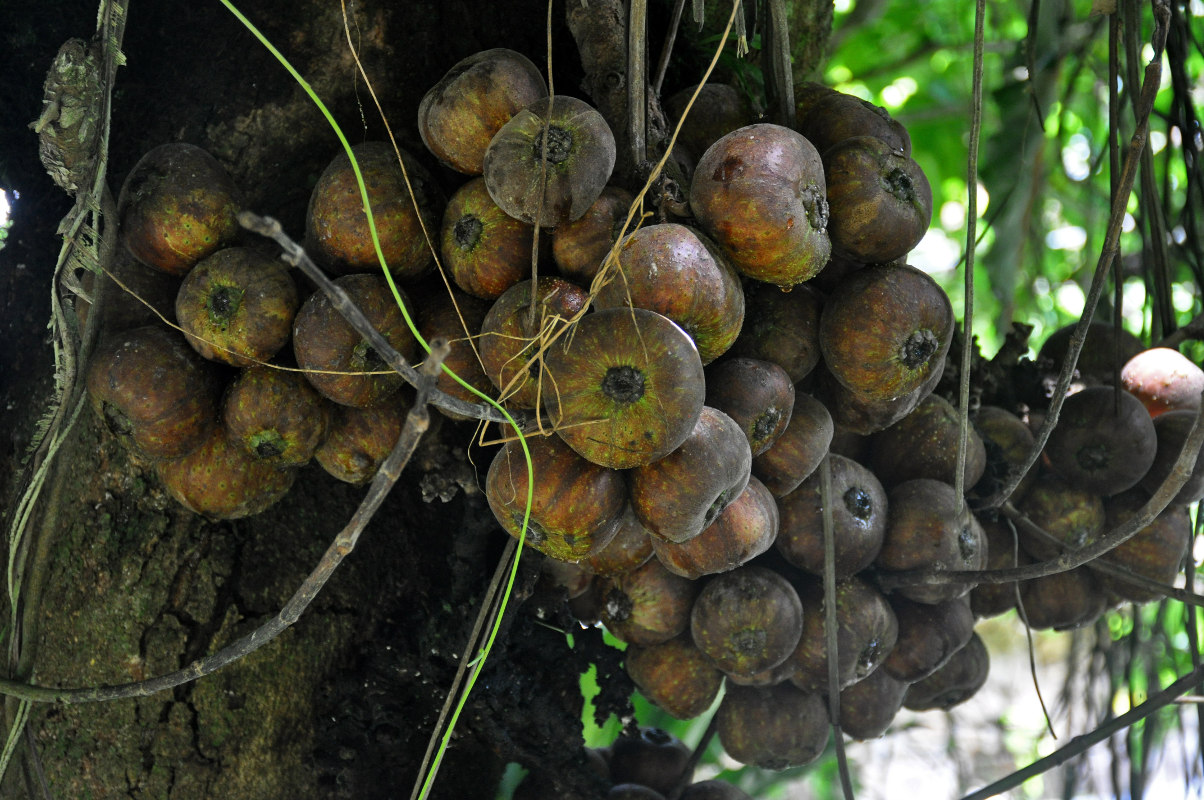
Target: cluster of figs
x,y
715,378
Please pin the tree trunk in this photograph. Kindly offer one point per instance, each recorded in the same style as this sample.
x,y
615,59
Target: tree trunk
x,y
342,704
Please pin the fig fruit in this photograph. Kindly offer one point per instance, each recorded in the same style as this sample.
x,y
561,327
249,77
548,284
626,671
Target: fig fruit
x,y
1104,442
675,497
1072,516
359,439
669,269
1062,601
1105,350
674,676
869,706
152,390
757,394
1163,380
630,548
647,605
924,445
1006,442
719,109
955,682
1155,552
575,505
742,531
1171,430
337,234
747,620
456,316
625,387
219,480
337,361
859,517
866,634
275,416
580,247
549,163
485,250
879,200
836,116
885,330
782,327
460,115
237,306
772,728
653,758
1003,551
853,413
800,448
177,205
929,635
759,192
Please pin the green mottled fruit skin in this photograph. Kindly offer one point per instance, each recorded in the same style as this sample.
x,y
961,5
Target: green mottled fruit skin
x,y
674,676
486,250
772,728
669,269
747,620
576,506
1071,515
759,191
741,532
324,343
220,481
1156,551
154,391
237,306
580,247
276,416
885,330
618,431
337,234
359,439
177,206
866,633
924,445
675,497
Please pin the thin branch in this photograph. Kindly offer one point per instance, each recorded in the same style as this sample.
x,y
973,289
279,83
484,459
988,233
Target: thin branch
x,y
417,422
832,625
662,64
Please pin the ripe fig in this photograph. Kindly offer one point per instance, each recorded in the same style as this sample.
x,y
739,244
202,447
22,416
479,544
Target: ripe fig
x,y
337,361
954,683
1062,601
675,497
631,548
782,327
772,728
220,481
551,186
575,505
456,316
359,439
924,445
152,390
672,270
626,387
177,205
757,394
237,306
485,250
837,116
579,247
275,416
929,634
1171,429
866,634
510,343
800,448
869,706
1072,516
1104,442
759,191
1163,380
742,531
1155,552
930,527
653,758
1006,442
459,115
859,516
879,200
674,676
747,620
853,413
885,330
647,605
337,234
719,109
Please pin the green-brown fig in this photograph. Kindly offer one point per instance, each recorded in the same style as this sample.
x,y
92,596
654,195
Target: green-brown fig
x,y
674,676
1104,441
359,439
1155,552
1062,601
929,634
747,620
852,412
742,531
954,683
580,247
485,250
647,605
630,548
837,116
275,416
757,394
717,110
759,192
455,317
869,706
219,480
772,728
865,635
1007,441
799,449
1074,517
782,327
924,445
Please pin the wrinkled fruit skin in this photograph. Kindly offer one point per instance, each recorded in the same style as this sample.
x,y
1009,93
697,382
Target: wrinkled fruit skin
x,y
177,206
759,192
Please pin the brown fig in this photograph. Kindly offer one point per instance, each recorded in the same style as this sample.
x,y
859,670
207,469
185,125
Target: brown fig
x,y
653,757
485,250
275,416
885,330
1062,601
853,412
574,505
929,634
759,192
742,531
237,306
924,445
772,728
796,453
869,706
955,682
549,163
647,605
359,439
1163,380
337,232
220,481
337,360
1171,430
459,115
674,676
757,394
717,110
1155,552
866,634
580,247
859,516
625,388
630,548
837,116
747,620
1104,353
782,327
177,205
1007,442
1072,516
1003,552
1104,442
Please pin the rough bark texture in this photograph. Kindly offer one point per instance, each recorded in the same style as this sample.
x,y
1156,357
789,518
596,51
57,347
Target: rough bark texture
x,y
342,705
